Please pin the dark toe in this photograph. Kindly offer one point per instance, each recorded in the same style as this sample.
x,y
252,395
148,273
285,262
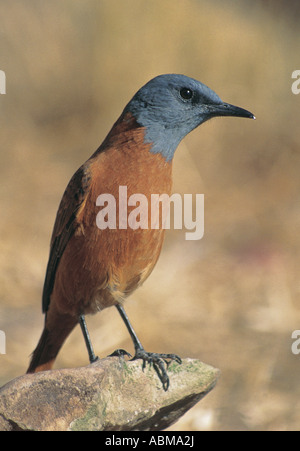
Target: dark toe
x,y
120,353
160,363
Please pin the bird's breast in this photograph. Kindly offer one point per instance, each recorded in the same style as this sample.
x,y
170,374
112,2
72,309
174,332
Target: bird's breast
x,y
119,236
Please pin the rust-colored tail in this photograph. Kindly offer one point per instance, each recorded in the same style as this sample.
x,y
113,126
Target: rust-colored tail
x,y
51,341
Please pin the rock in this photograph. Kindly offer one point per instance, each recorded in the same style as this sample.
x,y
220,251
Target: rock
x,y
110,395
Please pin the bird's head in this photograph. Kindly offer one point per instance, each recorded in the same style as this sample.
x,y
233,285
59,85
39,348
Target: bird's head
x,y
170,106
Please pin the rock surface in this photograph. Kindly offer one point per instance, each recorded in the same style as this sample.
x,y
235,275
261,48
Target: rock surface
x,y
110,395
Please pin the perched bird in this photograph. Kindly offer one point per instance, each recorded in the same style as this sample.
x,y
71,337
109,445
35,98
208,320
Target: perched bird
x,y
90,269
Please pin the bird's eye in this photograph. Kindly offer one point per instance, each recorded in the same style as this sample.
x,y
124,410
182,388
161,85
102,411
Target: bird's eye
x,y
186,93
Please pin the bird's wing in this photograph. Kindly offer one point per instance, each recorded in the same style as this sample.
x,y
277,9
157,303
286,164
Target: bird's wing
x,y
65,225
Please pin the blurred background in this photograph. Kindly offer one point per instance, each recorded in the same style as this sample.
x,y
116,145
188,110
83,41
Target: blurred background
x,y
230,299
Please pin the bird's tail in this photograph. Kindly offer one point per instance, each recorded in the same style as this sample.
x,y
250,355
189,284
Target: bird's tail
x,y
52,339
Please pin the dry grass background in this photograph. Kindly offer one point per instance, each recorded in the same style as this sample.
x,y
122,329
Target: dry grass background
x,y
231,299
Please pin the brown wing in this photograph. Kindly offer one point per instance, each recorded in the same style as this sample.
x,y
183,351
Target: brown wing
x,y
65,225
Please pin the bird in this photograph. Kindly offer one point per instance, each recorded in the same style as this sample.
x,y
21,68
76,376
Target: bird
x,y
90,269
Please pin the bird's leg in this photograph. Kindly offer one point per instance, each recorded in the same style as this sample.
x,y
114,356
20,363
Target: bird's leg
x,y
87,339
159,361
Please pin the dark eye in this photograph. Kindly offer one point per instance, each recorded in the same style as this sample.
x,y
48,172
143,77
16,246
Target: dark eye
x,y
186,93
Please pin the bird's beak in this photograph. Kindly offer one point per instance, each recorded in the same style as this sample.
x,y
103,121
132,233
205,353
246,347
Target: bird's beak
x,y
225,109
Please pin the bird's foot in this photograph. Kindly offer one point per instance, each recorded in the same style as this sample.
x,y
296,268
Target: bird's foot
x,y
94,359
120,353
160,363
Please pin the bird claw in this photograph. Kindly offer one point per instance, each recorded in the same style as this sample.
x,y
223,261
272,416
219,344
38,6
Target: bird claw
x,y
95,359
160,363
120,353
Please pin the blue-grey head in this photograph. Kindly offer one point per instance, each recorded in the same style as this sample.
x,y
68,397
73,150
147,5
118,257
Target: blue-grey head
x,y
171,106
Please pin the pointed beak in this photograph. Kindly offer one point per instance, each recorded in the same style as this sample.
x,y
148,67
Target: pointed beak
x,y
225,109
